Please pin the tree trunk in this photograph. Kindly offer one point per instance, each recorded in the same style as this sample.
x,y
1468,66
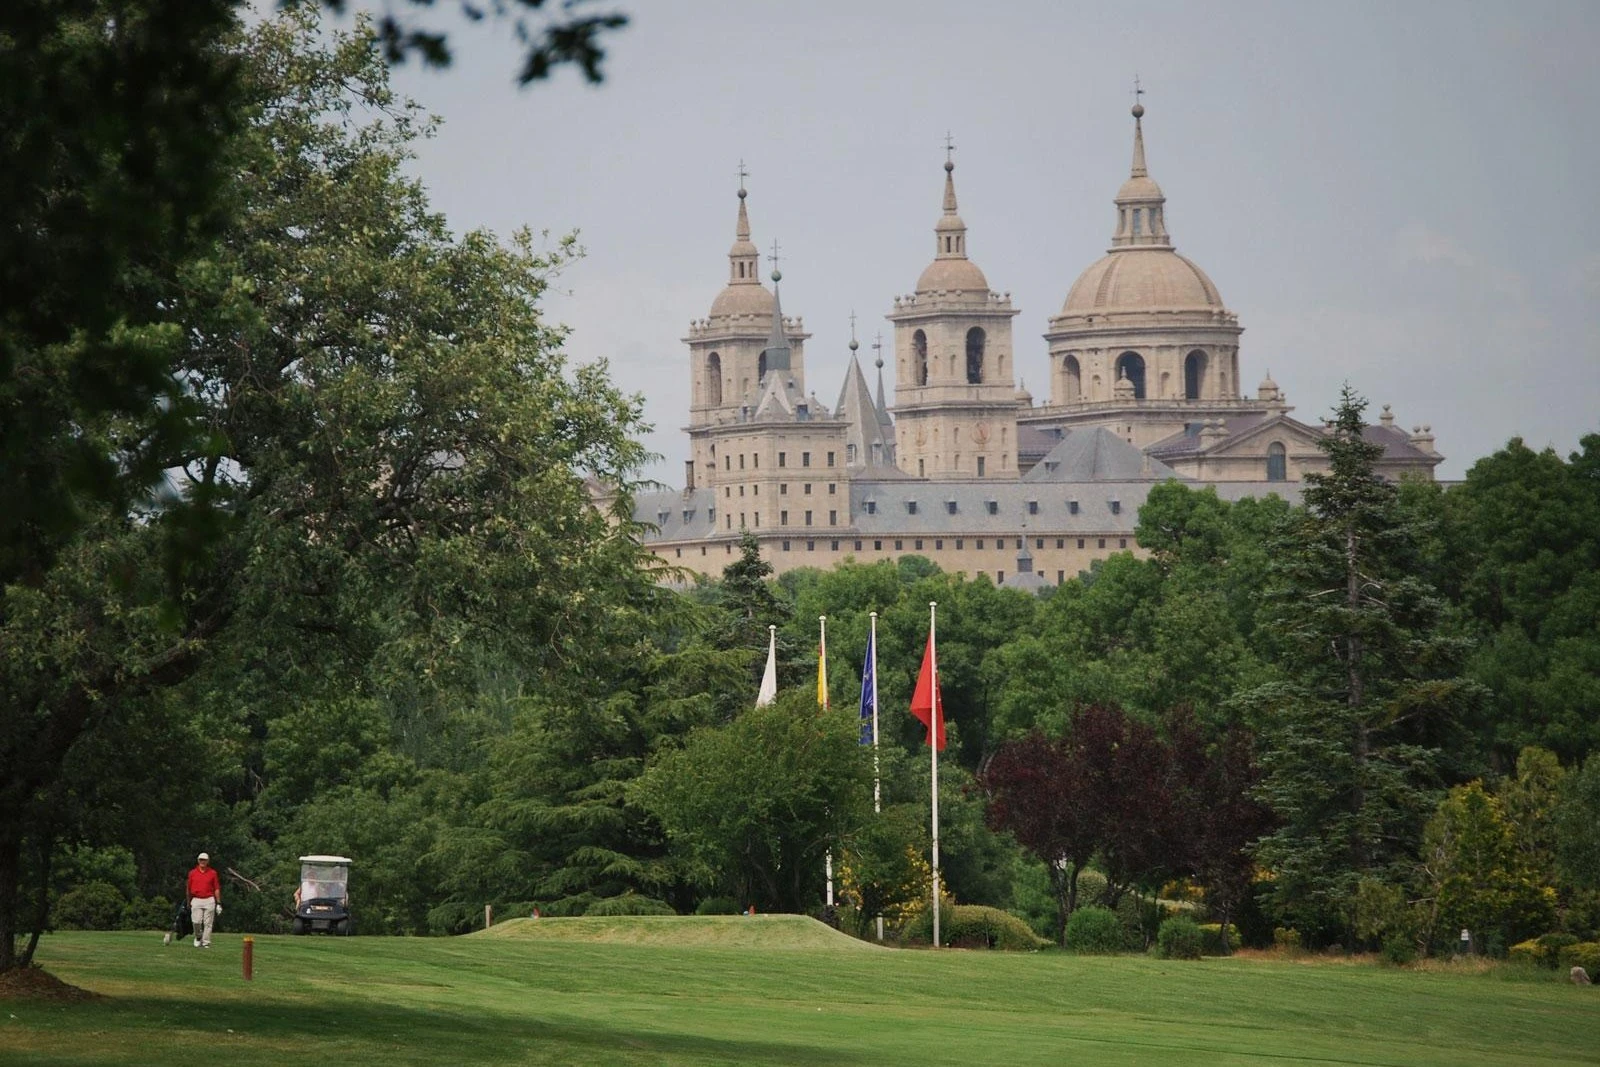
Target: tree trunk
x,y
1058,884
10,874
41,900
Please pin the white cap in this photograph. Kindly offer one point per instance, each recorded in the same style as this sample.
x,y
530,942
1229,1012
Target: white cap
x,y
204,856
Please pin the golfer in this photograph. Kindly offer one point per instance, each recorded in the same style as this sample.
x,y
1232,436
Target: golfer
x,y
205,899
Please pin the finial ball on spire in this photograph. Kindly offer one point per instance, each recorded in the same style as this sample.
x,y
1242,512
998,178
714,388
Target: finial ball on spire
x,y
743,193
777,275
853,344
1138,111
949,166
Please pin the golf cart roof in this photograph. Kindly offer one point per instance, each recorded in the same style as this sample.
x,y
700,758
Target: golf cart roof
x,y
327,859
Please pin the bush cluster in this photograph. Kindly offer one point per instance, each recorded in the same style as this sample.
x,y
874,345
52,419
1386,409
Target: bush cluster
x,y
90,906
630,904
974,926
1096,932
718,906
1179,938
1585,954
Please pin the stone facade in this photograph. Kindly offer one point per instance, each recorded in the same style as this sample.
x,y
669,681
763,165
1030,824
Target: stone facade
x,y
1144,386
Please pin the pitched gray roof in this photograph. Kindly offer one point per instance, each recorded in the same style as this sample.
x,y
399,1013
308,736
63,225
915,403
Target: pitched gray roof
x,y
1095,454
870,431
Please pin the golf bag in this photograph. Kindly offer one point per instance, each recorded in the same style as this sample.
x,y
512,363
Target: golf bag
x,y
182,921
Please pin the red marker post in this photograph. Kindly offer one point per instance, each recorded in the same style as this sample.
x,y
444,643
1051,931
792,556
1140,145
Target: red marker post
x,y
249,958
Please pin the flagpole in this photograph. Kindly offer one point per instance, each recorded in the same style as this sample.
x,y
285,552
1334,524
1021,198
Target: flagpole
x,y
877,780
822,698
933,747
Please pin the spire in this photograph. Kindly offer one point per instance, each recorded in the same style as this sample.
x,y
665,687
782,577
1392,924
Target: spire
x,y
1141,211
744,266
877,351
775,357
869,437
950,233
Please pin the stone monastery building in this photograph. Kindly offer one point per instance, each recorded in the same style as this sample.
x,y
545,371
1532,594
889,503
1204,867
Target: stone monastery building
x,y
965,468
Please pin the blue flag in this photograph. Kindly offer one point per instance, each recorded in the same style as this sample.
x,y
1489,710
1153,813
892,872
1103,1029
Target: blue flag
x,y
867,707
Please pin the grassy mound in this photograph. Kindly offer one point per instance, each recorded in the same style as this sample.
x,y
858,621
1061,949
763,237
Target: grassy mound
x,y
684,931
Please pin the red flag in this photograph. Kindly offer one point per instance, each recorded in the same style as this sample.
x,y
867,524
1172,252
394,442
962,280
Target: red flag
x,y
927,701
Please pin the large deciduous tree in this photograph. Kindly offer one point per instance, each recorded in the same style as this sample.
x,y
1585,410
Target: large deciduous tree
x,y
399,463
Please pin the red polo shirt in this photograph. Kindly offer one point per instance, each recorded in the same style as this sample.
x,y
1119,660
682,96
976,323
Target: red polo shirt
x,y
203,882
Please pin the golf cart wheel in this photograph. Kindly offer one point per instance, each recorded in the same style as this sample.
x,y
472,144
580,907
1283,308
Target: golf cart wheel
x,y
298,926
342,928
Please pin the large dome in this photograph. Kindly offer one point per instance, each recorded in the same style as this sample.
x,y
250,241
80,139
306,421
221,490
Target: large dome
x,y
742,299
1141,279
951,275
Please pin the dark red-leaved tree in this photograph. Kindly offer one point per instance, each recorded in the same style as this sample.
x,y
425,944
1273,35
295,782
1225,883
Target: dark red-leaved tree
x,y
1227,820
1037,792
1137,792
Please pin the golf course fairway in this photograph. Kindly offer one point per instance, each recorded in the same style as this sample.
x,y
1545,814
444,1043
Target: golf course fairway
x,y
756,990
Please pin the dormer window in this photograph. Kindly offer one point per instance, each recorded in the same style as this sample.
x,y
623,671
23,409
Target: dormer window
x,y
950,506
1072,507
872,507
993,506
1033,508
1116,507
911,507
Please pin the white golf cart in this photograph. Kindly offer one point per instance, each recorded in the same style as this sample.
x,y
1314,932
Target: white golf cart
x,y
322,903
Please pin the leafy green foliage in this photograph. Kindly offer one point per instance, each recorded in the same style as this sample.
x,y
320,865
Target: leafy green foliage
x,y
629,904
1477,877
975,926
1179,938
1095,931
90,906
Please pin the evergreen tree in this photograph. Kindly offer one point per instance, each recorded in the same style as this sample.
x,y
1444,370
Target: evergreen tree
x,y
1370,690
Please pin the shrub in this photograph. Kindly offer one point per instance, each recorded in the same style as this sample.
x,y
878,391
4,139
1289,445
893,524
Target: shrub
x,y
1585,954
1178,939
718,906
152,914
1552,944
1211,939
454,917
1095,931
630,904
1399,949
977,926
90,906
1287,940
1527,953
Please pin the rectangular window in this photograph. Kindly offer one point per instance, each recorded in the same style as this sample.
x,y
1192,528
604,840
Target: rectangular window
x,y
680,553
727,463
741,490
783,518
727,490
978,544
1122,542
702,550
899,544
786,546
1061,542
993,506
742,523
911,507
872,507
960,543
980,466
1038,542
811,546
999,577
1061,576
877,546
833,546
758,518
1072,507
1080,542
808,523
1033,508
938,544
730,521
858,546
950,506
830,459
1116,507
917,544
755,490
1102,543
833,518
783,488
805,459
806,489
755,460
783,458
741,461
833,488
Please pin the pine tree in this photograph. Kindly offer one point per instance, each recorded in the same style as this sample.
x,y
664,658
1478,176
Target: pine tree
x,y
1369,693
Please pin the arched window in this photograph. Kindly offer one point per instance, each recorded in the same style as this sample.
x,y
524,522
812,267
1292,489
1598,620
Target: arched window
x,y
714,379
1130,365
1277,462
1074,380
919,356
1194,374
761,366
975,340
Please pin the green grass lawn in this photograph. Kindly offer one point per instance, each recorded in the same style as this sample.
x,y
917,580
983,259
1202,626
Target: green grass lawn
x,y
769,989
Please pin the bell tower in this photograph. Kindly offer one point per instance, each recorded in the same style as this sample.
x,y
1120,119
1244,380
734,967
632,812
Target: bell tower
x,y
955,406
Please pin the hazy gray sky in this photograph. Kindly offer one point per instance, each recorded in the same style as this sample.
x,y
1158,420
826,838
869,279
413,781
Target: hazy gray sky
x,y
1401,195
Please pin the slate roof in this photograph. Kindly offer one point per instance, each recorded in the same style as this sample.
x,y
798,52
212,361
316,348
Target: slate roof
x,y
1095,454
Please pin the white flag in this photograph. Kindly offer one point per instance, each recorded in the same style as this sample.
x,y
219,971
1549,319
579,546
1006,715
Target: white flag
x,y
769,679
